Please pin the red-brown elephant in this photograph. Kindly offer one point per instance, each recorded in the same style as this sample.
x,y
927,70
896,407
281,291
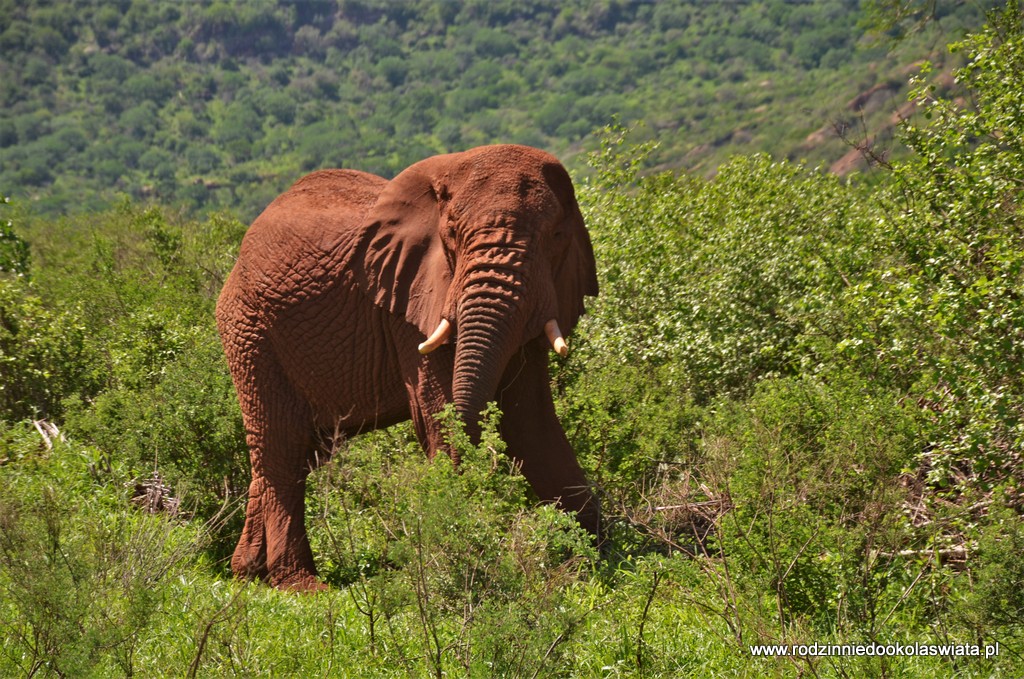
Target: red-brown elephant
x,y
358,302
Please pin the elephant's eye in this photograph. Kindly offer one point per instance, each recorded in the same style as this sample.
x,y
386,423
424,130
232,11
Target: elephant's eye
x,y
559,244
560,239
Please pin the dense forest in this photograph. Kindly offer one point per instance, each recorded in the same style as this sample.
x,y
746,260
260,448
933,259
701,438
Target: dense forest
x,y
799,394
223,104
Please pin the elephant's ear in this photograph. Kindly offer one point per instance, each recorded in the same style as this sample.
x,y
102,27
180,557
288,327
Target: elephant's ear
x,y
400,261
577,275
576,278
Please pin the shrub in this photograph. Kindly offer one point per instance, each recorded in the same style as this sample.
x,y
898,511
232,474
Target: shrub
x,y
82,573
143,372
814,471
707,288
941,316
719,278
453,570
994,606
171,408
44,354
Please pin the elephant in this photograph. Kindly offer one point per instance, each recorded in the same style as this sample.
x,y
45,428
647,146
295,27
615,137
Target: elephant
x,y
357,302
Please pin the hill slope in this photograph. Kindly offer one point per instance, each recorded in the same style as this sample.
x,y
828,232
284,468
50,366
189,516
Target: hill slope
x,y
223,104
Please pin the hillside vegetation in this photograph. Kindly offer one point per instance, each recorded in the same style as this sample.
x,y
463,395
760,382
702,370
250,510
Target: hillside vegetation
x,y
800,397
223,104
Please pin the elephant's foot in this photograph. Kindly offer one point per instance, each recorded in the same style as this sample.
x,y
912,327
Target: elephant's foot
x,y
252,565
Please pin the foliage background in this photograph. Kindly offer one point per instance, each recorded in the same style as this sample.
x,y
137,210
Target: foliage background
x,y
223,104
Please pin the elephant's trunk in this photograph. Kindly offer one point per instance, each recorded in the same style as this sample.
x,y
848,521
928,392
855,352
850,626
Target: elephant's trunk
x,y
489,329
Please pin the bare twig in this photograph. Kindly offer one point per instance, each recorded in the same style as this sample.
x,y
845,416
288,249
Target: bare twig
x,y
640,643
905,594
223,614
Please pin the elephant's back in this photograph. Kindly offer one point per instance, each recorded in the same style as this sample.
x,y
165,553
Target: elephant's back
x,y
297,246
335,190
320,206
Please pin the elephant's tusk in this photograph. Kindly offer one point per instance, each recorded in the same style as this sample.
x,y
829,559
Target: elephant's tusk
x,y
437,338
555,337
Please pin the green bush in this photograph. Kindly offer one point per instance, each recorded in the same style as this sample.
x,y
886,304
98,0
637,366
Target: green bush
x,y
814,468
721,278
456,559
171,408
941,315
994,606
45,355
130,357
707,288
83,574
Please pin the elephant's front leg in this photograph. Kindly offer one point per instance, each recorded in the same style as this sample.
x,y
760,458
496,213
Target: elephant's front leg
x,y
536,440
428,385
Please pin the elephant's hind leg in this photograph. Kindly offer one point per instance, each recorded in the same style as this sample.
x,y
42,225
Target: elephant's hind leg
x,y
279,429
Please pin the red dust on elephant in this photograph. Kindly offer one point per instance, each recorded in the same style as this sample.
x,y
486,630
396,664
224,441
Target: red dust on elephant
x,y
358,302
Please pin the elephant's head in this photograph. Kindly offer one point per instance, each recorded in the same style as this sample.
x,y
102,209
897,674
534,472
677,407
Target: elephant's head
x,y
486,249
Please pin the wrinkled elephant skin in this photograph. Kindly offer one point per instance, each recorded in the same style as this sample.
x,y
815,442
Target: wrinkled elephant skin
x,y
358,302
